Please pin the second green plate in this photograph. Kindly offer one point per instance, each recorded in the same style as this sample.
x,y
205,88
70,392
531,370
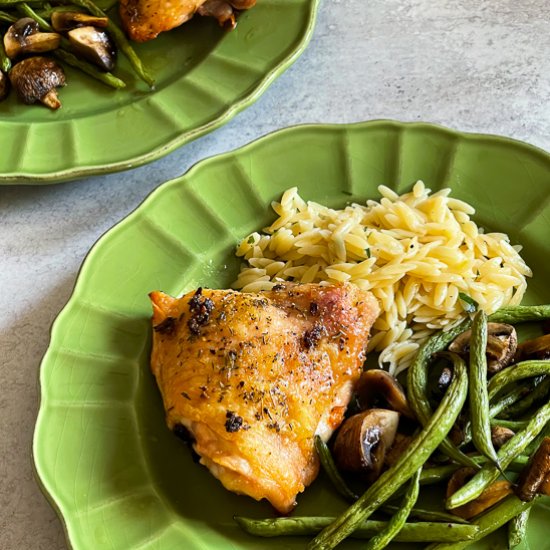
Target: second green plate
x,y
204,76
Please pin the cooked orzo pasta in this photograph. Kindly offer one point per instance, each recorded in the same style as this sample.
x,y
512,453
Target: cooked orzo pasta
x,y
415,252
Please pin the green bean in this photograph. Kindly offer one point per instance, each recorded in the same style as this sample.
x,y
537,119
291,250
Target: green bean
x,y
507,399
520,314
490,521
510,424
382,539
418,383
121,41
107,78
420,448
513,373
331,470
511,449
478,395
539,392
517,529
425,515
7,17
411,532
25,9
5,63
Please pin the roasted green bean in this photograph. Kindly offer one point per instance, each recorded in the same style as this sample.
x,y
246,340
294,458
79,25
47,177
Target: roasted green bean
x,y
539,392
511,449
507,399
424,515
490,521
411,532
417,383
517,529
477,392
7,18
331,470
382,539
5,63
519,371
107,78
121,41
25,9
510,424
420,448
520,314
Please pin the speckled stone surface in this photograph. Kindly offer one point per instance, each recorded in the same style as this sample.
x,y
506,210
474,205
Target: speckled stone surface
x,y
474,66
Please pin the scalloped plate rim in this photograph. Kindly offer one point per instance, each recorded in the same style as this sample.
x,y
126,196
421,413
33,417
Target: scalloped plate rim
x,y
48,491
74,173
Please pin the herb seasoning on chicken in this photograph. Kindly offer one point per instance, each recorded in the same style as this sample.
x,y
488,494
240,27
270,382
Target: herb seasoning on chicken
x,y
254,377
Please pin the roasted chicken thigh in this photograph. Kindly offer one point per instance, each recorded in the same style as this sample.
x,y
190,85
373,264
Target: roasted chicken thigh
x,y
145,19
254,377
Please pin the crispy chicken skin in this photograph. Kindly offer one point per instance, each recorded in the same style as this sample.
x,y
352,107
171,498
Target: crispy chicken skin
x,y
145,19
253,377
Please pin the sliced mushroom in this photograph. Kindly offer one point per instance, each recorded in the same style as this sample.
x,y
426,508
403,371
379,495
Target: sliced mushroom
x,y
537,348
500,435
363,440
493,494
376,387
24,37
4,86
95,45
534,475
502,342
36,79
63,21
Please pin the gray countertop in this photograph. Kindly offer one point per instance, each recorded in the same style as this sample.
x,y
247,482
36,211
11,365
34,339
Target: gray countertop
x,y
470,65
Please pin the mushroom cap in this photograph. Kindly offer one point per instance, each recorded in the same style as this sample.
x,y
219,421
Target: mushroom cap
x,y
376,386
34,78
536,348
63,21
363,439
502,343
534,477
95,45
490,496
24,36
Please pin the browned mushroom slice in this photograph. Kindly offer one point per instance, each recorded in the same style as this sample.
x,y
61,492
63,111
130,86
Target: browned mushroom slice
x,y
24,37
95,45
537,348
376,387
535,474
502,342
493,494
36,79
363,440
63,21
500,435
4,86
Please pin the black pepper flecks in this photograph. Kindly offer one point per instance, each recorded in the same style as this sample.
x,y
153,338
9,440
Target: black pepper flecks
x,y
200,309
313,308
168,326
312,336
233,423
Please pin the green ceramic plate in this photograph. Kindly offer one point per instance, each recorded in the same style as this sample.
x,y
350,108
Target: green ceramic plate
x,y
204,76
117,476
